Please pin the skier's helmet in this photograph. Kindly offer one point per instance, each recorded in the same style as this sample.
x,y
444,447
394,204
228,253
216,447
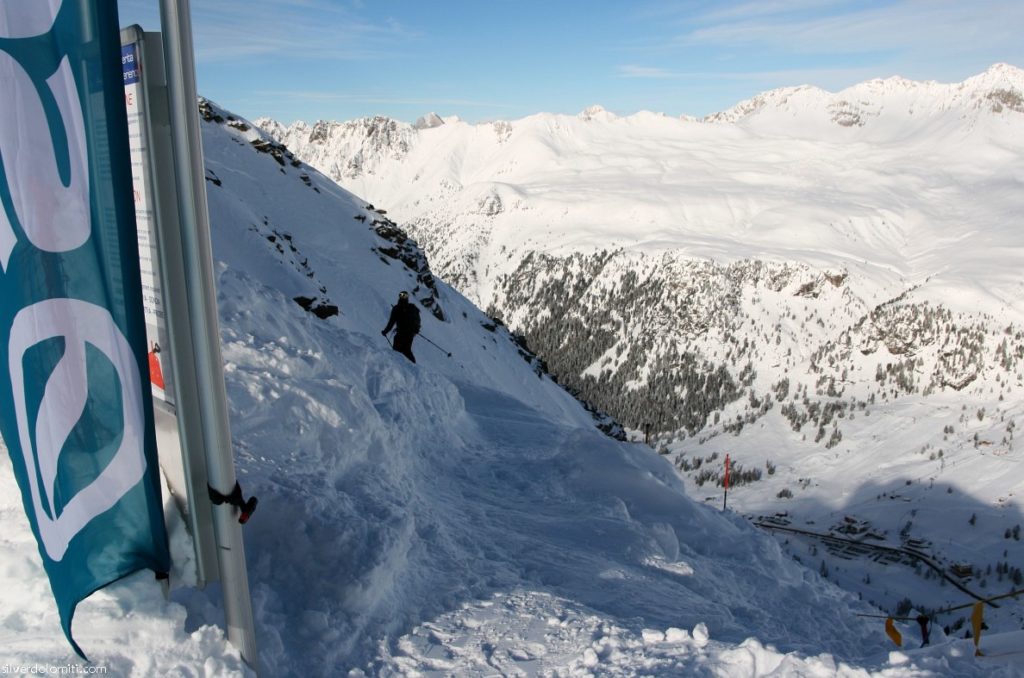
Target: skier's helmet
x,y
403,296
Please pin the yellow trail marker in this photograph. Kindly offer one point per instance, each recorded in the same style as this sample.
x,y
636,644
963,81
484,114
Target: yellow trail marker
x,y
893,632
976,619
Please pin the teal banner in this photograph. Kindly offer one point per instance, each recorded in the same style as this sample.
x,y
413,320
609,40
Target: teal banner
x,y
75,408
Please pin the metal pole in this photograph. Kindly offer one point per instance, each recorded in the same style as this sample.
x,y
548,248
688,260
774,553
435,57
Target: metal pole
x,y
436,346
175,20
725,498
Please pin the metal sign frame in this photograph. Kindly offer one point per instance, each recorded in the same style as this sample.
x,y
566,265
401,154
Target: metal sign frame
x,y
185,260
176,409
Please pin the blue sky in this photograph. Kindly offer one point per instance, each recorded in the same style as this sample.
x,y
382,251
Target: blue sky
x,y
506,59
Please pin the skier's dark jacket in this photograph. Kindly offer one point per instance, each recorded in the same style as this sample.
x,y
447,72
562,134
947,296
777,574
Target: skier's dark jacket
x,y
405,317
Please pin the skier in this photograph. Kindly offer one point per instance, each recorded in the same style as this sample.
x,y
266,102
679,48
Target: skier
x,y
405,318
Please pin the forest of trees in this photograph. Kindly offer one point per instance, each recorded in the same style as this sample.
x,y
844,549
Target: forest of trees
x,y
672,344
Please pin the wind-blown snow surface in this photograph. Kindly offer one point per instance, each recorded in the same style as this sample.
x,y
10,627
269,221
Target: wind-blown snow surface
x,y
461,516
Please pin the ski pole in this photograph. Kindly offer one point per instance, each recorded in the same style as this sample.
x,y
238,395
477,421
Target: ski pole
x,y
436,346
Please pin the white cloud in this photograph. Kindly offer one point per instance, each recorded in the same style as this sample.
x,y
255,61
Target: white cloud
x,y
229,30
726,12
829,78
632,71
317,96
906,26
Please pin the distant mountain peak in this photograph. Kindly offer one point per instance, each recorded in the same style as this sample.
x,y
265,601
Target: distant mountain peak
x,y
596,112
1007,69
429,121
998,89
997,76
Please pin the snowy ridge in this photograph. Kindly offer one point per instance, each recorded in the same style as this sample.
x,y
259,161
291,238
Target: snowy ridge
x,y
996,90
458,516
363,142
909,195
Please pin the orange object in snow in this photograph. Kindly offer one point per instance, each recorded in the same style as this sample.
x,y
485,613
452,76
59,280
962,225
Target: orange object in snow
x,y
977,617
893,632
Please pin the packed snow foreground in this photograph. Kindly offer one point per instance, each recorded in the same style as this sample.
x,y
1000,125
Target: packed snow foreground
x,y
461,516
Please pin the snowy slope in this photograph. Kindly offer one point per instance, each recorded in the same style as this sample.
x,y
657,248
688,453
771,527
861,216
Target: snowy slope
x,y
460,516
824,285
420,488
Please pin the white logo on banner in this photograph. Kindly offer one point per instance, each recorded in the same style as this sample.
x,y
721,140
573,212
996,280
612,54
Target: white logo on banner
x,y
55,217
62,405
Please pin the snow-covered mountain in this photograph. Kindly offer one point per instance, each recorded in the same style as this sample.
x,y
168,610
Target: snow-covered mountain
x,y
826,286
623,246
880,104
464,516
460,516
